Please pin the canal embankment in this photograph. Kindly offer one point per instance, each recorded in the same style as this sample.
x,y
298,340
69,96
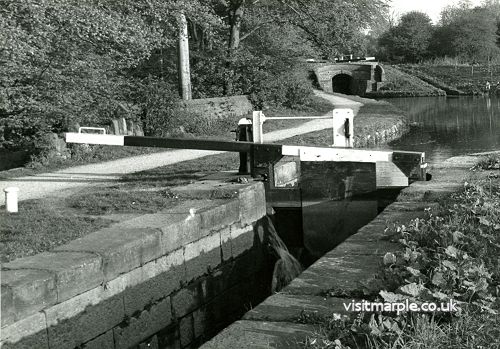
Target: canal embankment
x,y
418,80
399,83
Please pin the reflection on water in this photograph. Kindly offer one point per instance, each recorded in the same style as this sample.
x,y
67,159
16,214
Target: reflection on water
x,y
448,127
319,226
327,224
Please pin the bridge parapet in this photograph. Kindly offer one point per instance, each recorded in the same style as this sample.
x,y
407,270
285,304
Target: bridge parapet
x,y
350,78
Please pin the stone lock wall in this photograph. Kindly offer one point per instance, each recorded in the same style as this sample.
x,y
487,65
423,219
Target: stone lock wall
x,y
342,273
170,279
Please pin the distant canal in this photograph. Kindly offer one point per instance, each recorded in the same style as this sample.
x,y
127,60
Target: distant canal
x,y
447,127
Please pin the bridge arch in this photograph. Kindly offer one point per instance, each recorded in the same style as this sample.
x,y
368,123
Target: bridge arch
x,y
349,78
343,83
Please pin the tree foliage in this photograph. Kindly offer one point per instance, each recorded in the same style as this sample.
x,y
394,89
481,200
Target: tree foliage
x,y
86,61
409,40
465,32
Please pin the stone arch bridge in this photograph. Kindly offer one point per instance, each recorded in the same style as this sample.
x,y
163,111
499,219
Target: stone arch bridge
x,y
350,78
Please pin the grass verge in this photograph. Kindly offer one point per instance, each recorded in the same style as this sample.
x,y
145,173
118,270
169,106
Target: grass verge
x,y
397,83
40,226
451,255
463,78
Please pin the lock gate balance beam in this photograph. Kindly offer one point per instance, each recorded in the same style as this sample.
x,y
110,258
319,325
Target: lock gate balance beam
x,y
280,165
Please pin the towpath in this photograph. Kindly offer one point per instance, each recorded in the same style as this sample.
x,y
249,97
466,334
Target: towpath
x,y
59,182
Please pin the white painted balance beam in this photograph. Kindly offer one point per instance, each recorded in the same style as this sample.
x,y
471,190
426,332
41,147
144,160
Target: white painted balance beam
x,y
94,138
388,173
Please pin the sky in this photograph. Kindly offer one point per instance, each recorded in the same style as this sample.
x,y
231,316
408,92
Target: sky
x,y
431,7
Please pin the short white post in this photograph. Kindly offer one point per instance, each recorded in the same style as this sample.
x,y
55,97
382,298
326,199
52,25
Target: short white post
x,y
343,130
258,119
11,199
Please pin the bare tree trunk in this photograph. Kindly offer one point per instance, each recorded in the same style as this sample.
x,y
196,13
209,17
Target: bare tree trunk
x,y
236,16
184,71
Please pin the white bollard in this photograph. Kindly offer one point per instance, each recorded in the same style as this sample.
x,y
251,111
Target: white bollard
x,y
11,199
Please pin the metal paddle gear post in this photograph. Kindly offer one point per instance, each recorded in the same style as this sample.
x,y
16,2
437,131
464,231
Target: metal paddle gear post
x,y
244,133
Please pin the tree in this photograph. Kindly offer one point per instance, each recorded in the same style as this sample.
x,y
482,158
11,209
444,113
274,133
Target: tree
x,y
335,27
409,40
469,34
77,60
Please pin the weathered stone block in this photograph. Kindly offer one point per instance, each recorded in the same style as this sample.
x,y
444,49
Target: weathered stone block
x,y
363,248
150,321
393,217
186,330
412,206
242,239
82,318
217,217
290,308
187,300
261,334
30,332
169,337
105,340
341,275
27,291
121,249
179,225
242,267
8,313
200,323
429,191
252,204
216,283
151,343
211,187
138,297
202,255
371,233
446,174
75,272
225,244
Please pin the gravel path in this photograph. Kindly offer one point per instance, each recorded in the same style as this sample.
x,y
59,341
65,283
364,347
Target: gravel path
x,y
61,182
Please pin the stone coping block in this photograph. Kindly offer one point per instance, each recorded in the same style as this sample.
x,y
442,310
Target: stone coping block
x,y
251,195
293,308
32,330
429,191
341,275
26,291
445,174
121,249
187,222
73,272
261,334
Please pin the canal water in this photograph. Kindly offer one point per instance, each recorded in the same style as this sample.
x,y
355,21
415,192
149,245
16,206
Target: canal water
x,y
446,127
441,127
